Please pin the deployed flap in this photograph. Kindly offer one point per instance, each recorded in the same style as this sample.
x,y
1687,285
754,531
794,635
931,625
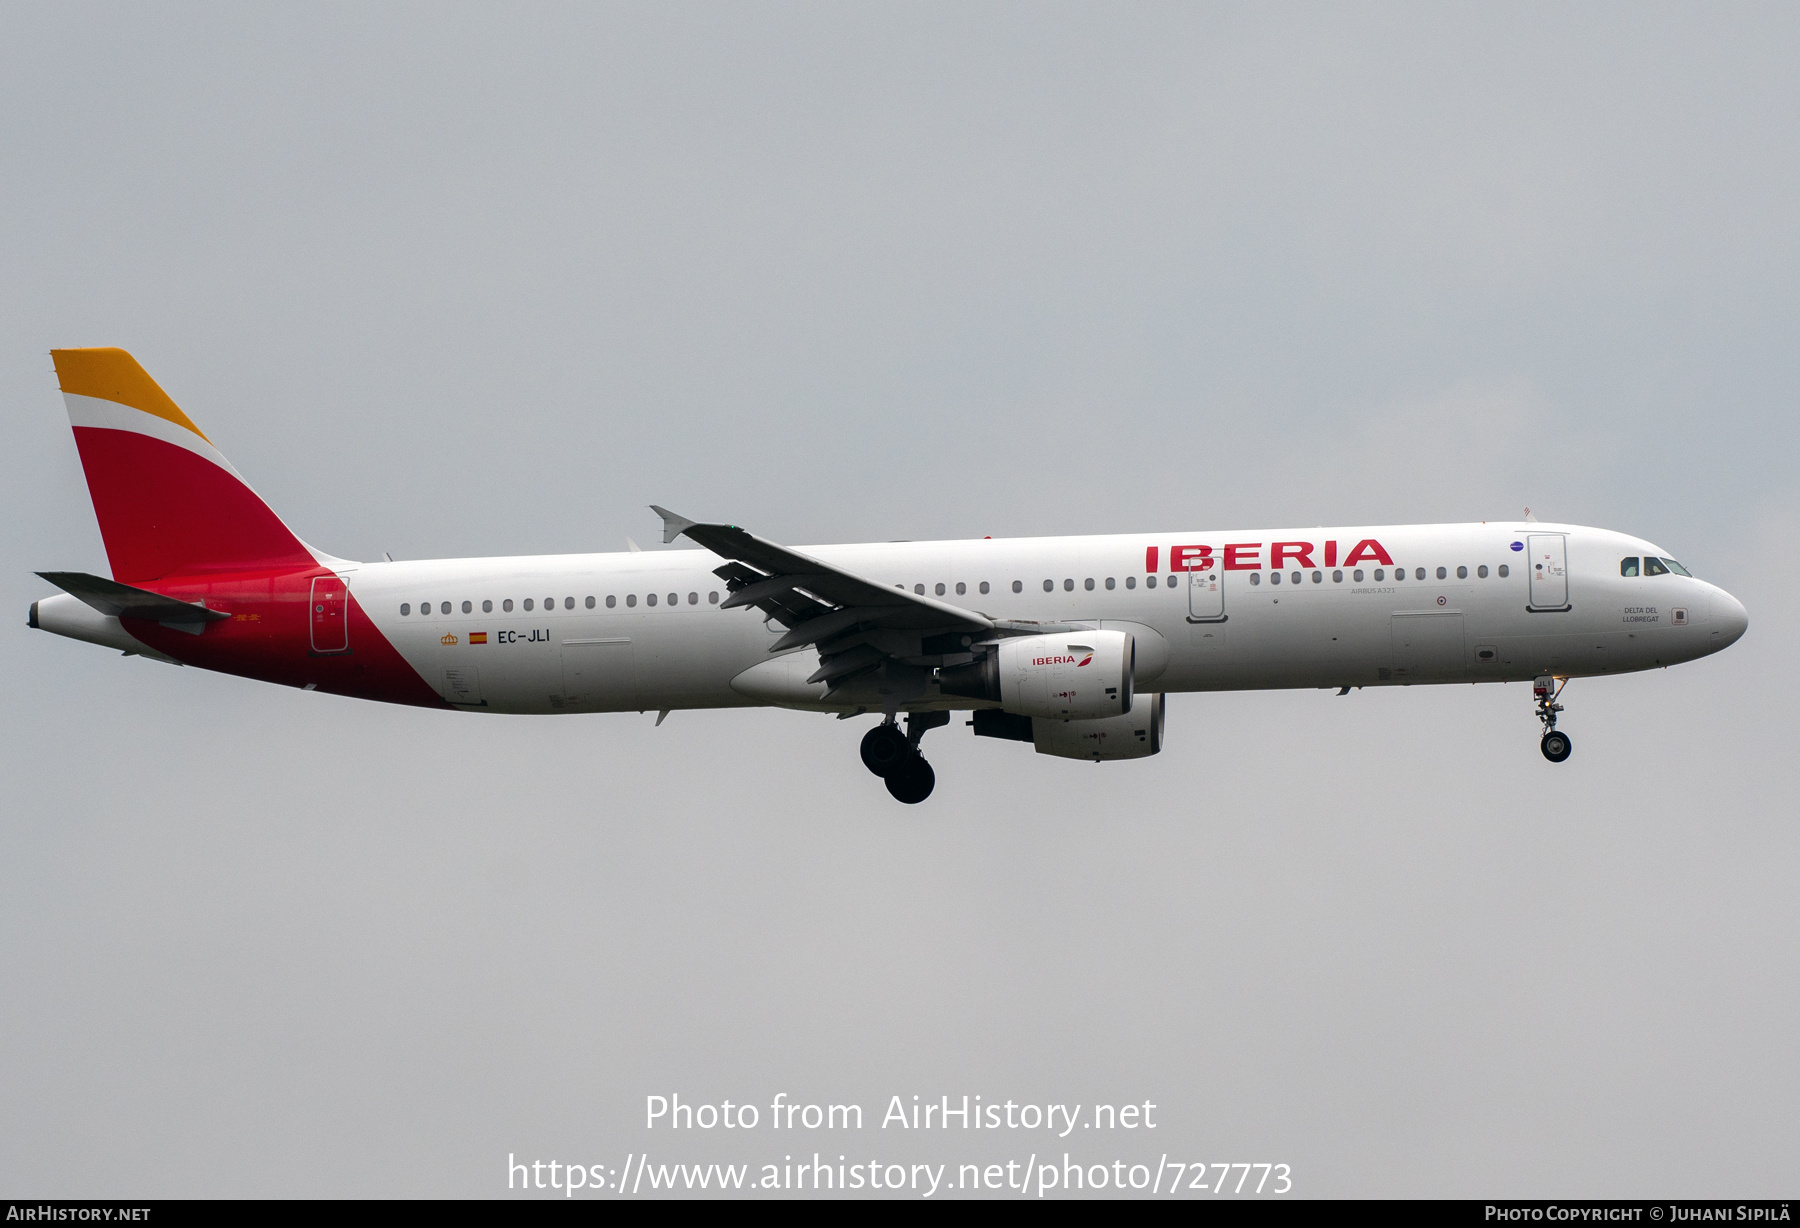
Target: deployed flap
x,y
123,601
861,628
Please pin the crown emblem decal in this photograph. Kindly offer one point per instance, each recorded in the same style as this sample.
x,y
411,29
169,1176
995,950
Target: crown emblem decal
x,y
448,639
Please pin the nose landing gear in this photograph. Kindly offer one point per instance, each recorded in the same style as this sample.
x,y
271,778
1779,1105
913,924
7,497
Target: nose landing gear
x,y
1555,745
895,757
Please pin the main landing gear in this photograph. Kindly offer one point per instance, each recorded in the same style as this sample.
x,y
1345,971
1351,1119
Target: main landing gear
x,y
1555,745
895,757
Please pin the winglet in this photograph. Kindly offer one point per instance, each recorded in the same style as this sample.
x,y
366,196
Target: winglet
x,y
673,525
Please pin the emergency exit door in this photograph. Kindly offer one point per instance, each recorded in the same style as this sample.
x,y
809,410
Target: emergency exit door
x,y
1547,553
330,622
1206,596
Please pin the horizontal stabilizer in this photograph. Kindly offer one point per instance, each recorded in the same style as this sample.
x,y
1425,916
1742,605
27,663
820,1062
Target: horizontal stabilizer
x,y
123,601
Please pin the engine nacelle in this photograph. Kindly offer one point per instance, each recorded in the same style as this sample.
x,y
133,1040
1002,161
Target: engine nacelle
x,y
1080,675
1136,735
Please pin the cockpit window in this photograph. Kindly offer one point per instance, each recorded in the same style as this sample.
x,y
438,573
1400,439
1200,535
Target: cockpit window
x,y
1653,566
1677,568
1628,567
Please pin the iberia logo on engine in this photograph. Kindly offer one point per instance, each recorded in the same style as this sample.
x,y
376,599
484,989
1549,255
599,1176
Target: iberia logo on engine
x,y
1064,660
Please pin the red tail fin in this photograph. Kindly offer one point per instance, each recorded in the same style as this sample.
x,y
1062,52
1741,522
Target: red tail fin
x,y
168,503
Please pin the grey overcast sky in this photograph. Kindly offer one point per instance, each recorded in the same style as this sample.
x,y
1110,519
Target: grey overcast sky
x,y
455,280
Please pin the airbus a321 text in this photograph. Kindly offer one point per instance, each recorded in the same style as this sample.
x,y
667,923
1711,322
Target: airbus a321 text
x,y
1069,643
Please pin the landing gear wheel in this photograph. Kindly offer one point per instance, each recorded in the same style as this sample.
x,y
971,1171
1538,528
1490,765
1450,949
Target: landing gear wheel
x,y
912,781
1556,746
885,748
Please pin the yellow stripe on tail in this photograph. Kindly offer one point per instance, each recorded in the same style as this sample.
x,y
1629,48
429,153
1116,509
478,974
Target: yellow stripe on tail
x,y
113,375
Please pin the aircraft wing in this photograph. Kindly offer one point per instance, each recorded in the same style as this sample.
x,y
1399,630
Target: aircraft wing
x,y
857,624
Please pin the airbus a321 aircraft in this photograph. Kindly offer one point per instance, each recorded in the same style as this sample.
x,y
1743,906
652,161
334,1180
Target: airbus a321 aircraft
x,y
1069,643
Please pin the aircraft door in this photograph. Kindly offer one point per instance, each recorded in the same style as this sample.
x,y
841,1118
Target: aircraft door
x,y
1548,553
1206,596
1428,647
327,613
600,674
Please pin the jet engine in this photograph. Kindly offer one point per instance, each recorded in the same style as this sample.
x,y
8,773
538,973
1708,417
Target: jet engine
x,y
1081,675
1137,734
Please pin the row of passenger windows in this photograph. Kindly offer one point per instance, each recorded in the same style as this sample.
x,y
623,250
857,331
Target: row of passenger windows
x,y
1337,577
1318,577
1018,586
568,603
1653,566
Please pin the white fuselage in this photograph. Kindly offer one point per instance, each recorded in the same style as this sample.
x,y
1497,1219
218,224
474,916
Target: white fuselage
x,y
643,631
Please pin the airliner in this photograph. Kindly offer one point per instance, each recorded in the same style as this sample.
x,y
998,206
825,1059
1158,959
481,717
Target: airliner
x,y
1068,643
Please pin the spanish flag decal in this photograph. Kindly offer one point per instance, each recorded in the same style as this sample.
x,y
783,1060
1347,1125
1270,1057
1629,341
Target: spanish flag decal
x,y
477,637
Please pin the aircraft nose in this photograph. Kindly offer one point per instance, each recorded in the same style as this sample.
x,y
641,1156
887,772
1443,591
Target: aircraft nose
x,y
1729,619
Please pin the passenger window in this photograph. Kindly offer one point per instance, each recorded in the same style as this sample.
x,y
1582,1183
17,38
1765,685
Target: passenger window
x,y
1295,577
467,608
1628,567
568,603
405,608
1318,577
1442,574
1088,584
507,605
1018,586
1130,581
1274,577
961,588
1111,584
1419,573
1481,571
1502,571
919,589
1357,575
630,601
712,598
650,599
984,588
1462,573
1068,586
549,604
1256,577
611,601
487,607
940,590
1399,574
693,598
528,605
1337,577
1049,586
1653,566
445,608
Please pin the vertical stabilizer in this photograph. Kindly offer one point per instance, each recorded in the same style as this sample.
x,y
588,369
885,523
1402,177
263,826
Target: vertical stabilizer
x,y
169,504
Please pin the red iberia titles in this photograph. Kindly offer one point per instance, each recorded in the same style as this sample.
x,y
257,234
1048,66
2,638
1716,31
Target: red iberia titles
x,y
1248,556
